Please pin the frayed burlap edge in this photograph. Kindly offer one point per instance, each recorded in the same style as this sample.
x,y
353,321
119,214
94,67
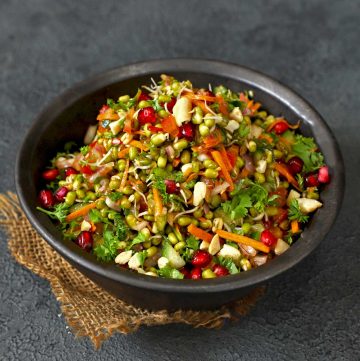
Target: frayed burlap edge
x,y
89,310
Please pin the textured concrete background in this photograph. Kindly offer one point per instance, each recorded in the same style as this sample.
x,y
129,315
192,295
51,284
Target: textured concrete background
x,y
309,313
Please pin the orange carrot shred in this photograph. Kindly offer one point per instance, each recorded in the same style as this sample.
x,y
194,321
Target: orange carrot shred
x,y
125,176
199,233
122,153
80,212
243,240
157,202
218,159
283,170
295,226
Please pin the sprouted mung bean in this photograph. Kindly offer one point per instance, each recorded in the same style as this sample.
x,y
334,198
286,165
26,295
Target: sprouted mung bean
x,y
181,182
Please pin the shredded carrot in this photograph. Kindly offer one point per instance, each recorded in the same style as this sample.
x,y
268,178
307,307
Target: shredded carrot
x,y
202,105
128,121
138,144
295,226
223,108
93,227
191,177
218,159
169,125
244,173
157,202
232,154
281,120
80,212
202,219
225,157
283,170
176,162
213,139
243,98
123,152
109,114
206,98
266,137
125,175
199,233
223,196
243,240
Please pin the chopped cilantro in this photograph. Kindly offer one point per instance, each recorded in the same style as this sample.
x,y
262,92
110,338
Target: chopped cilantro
x,y
140,238
192,243
107,251
295,212
306,149
59,213
84,150
169,272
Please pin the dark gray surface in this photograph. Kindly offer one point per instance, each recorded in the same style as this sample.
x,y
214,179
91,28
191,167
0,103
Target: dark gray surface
x,y
312,311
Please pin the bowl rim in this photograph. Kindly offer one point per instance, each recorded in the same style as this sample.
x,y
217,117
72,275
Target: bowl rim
x,y
252,78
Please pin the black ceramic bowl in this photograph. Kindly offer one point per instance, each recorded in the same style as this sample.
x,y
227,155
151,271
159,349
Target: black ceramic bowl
x,y
68,117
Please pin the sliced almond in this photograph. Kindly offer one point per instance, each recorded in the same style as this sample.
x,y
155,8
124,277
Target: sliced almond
x,y
123,257
214,246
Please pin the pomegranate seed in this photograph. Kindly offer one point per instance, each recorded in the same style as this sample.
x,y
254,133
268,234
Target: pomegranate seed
x,y
170,105
46,198
267,224
201,258
280,127
185,272
268,238
171,186
50,174
61,193
70,171
147,115
220,270
144,96
85,241
187,131
86,169
103,109
295,165
312,180
324,176
195,273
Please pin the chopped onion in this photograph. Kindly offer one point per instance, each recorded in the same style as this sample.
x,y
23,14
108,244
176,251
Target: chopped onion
x,y
186,212
90,134
247,250
139,226
260,260
113,205
249,165
170,152
219,189
202,156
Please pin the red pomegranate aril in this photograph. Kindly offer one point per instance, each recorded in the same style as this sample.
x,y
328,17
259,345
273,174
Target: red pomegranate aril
x,y
147,115
195,273
50,174
103,109
46,198
312,180
144,96
61,193
201,258
267,238
280,128
170,105
85,241
220,270
185,272
324,176
70,171
171,187
295,165
187,131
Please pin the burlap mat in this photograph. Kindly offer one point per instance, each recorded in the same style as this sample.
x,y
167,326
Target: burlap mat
x,y
88,309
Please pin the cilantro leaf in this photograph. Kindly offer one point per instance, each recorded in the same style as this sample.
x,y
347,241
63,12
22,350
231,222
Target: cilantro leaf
x,y
107,251
84,150
169,272
295,213
140,238
121,229
59,213
306,149
115,196
192,243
